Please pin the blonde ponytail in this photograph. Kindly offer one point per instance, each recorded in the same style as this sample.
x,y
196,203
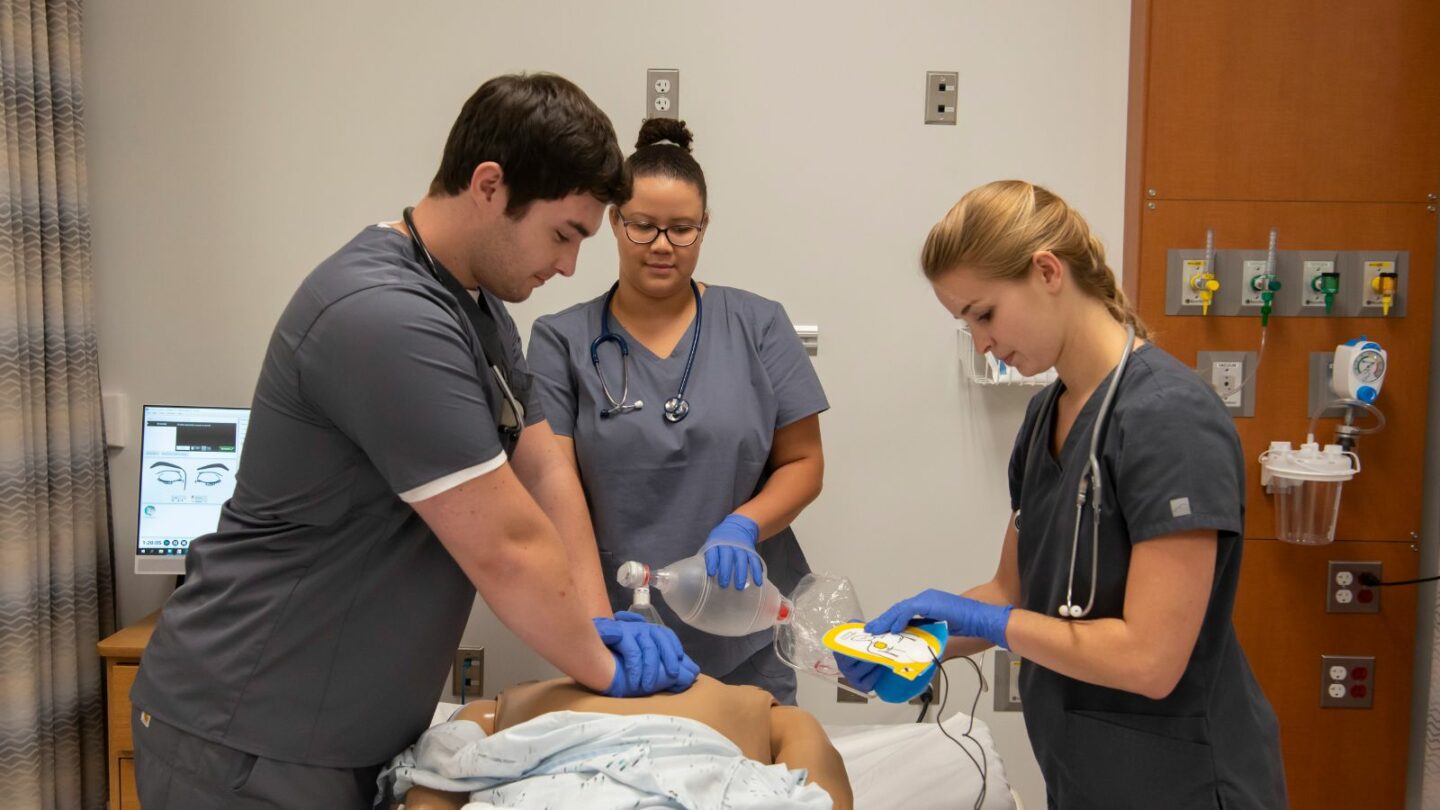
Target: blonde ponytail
x,y
996,229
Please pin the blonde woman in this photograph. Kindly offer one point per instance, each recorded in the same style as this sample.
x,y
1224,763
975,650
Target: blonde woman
x,y
1135,690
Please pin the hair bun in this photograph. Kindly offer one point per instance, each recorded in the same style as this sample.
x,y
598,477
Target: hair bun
x,y
655,130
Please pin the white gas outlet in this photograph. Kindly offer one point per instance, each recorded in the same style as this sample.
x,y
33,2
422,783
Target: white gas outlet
x,y
1372,271
1225,378
1189,296
1249,296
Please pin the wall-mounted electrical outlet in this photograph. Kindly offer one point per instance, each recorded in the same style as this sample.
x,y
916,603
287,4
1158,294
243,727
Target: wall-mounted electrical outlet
x,y
1346,593
662,93
468,677
1347,681
942,97
1007,681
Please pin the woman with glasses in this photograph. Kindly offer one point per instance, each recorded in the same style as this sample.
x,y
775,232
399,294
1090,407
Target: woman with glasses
x,y
691,410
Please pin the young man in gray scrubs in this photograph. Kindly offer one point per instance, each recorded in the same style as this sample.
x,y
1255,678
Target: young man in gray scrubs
x,y
395,463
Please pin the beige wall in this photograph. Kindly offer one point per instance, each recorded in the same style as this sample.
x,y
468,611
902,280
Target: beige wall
x,y
233,145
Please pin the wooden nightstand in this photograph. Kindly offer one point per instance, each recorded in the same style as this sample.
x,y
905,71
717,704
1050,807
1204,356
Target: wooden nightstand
x,y
122,653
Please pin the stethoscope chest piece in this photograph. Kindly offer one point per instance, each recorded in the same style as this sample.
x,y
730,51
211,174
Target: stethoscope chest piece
x,y
676,409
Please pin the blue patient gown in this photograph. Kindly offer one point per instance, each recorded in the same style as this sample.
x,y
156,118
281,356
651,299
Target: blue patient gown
x,y
656,488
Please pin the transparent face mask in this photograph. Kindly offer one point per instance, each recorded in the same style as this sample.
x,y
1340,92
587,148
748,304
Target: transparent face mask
x,y
819,603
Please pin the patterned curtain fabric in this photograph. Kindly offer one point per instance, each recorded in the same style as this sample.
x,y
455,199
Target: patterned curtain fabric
x,y
56,586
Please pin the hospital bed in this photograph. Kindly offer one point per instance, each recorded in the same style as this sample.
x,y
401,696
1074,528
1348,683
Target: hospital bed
x,y
907,765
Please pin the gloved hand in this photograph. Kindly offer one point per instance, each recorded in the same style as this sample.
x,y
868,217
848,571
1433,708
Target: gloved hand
x,y
861,674
730,552
966,617
648,657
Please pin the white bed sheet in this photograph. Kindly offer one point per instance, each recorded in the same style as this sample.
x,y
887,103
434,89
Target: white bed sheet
x,y
914,765
907,765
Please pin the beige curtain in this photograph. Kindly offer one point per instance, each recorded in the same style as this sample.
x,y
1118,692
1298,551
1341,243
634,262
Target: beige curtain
x,y
56,585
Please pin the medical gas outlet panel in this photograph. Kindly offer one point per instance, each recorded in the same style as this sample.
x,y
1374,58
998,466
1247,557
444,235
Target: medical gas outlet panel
x,y
1303,283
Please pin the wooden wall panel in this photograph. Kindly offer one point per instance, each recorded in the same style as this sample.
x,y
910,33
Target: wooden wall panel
x,y
1320,118
1384,501
1293,100
1358,754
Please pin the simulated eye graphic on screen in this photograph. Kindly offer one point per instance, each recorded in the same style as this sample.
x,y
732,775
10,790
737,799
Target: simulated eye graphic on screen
x,y
188,460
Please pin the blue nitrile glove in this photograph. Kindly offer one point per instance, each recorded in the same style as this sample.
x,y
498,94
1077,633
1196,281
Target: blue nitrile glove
x,y
648,657
730,552
861,674
965,616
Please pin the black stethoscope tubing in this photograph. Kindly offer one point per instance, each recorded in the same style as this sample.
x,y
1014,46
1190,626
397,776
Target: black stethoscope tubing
x,y
512,419
677,407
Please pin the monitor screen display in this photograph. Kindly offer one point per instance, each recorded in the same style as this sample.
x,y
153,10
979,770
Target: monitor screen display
x,y
188,460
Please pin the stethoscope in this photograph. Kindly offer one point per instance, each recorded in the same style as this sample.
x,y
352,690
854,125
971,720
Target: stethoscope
x,y
676,407
512,412
1089,479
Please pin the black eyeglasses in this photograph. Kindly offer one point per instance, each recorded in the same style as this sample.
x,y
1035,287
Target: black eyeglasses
x,y
643,233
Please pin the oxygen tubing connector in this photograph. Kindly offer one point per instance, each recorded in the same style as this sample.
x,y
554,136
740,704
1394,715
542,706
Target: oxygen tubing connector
x,y
1267,285
1327,284
1206,285
1385,285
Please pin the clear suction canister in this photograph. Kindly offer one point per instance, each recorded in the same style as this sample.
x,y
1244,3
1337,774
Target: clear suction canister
x,y
1307,484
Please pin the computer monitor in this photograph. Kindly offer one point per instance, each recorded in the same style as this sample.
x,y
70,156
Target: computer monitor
x,y
188,460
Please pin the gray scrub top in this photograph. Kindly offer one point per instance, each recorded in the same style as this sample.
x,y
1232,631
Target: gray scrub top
x,y
656,489
316,624
1171,461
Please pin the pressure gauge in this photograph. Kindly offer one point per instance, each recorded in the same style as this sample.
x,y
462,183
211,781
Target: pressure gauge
x,y
1359,370
1369,366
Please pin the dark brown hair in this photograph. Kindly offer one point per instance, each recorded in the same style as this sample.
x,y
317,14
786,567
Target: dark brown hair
x,y
652,158
550,139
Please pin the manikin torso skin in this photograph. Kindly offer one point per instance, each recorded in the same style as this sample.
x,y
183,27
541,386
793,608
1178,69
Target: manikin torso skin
x,y
746,716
